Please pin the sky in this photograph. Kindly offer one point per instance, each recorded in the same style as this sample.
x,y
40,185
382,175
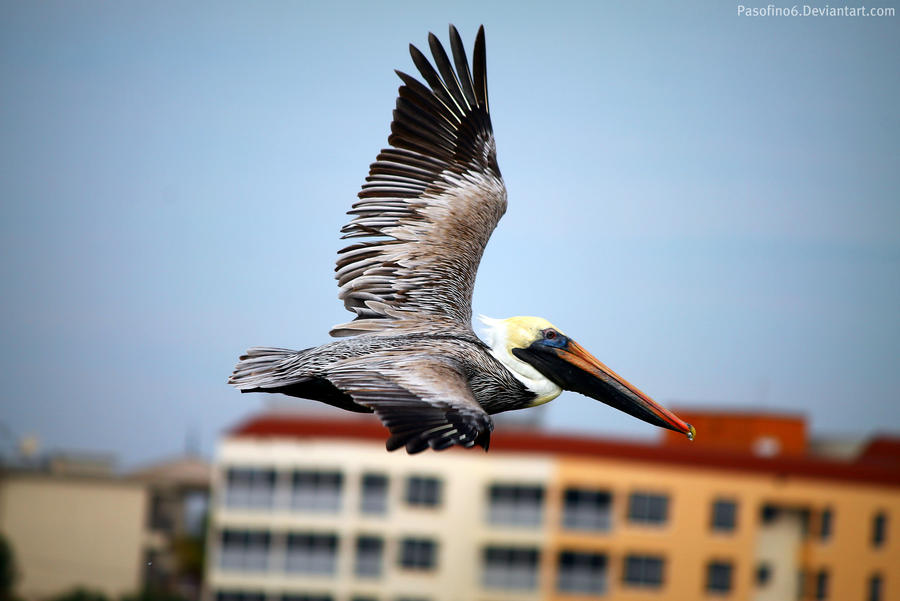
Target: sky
x,y
709,203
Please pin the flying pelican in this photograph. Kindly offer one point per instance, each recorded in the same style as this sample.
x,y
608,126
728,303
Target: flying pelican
x,y
423,218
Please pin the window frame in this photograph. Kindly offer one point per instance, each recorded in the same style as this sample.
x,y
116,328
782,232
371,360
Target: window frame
x,y
641,508
424,491
587,509
418,554
512,568
724,584
719,525
514,504
645,563
569,578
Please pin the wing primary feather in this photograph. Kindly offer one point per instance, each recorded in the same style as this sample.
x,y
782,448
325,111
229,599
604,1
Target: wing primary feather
x,y
462,66
434,80
442,61
429,203
479,66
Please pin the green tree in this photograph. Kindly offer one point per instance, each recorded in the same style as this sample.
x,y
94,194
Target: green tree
x,y
81,594
8,571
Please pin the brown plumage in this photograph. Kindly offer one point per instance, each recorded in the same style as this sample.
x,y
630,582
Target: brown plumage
x,y
423,218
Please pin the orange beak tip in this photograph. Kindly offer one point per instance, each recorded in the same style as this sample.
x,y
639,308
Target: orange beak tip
x,y
691,433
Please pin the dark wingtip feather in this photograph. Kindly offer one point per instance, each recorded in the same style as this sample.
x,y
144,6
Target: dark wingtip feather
x,y
479,67
462,66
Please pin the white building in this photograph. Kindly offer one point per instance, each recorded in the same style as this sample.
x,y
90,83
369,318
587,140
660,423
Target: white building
x,y
330,518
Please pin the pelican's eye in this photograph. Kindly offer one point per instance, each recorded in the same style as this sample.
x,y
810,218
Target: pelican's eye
x,y
550,334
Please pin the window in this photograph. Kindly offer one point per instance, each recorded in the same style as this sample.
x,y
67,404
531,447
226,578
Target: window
x,y
368,556
311,553
821,585
513,505
879,529
825,524
802,583
423,491
587,509
644,570
239,596
763,574
155,574
875,588
250,488
510,568
303,597
718,576
374,493
418,554
724,514
648,508
582,572
159,517
316,491
244,550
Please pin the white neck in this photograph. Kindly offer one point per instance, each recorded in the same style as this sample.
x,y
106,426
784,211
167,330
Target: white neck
x,y
497,338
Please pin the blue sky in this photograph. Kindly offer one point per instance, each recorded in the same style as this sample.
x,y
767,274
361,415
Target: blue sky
x,y
709,203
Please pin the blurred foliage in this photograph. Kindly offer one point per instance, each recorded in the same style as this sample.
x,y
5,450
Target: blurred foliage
x,y
190,552
8,572
149,594
81,594
153,594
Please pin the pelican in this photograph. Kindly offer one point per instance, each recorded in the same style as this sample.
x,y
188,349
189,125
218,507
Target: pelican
x,y
429,204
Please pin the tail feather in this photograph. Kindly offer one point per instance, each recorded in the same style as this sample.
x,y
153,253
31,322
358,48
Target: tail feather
x,y
265,368
279,370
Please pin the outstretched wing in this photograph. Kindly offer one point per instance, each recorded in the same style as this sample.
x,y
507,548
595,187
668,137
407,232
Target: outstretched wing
x,y
424,401
429,204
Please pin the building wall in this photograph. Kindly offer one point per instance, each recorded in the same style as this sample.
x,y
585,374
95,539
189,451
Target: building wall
x,y
789,545
67,532
458,524
688,542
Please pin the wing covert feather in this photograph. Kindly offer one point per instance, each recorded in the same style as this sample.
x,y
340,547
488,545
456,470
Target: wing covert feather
x,y
429,204
424,401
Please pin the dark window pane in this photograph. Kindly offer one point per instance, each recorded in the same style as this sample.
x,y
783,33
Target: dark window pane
x,y
418,554
423,491
316,491
724,515
822,585
374,493
311,553
875,588
580,572
368,556
825,524
763,574
644,570
244,550
585,509
515,505
648,508
879,528
510,568
718,577
250,488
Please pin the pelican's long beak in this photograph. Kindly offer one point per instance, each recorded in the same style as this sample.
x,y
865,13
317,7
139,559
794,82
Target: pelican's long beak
x,y
573,368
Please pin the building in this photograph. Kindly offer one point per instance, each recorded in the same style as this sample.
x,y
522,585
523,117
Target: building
x,y
72,522
312,508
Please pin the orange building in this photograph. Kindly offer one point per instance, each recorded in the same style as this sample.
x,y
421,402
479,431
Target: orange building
x,y
751,514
